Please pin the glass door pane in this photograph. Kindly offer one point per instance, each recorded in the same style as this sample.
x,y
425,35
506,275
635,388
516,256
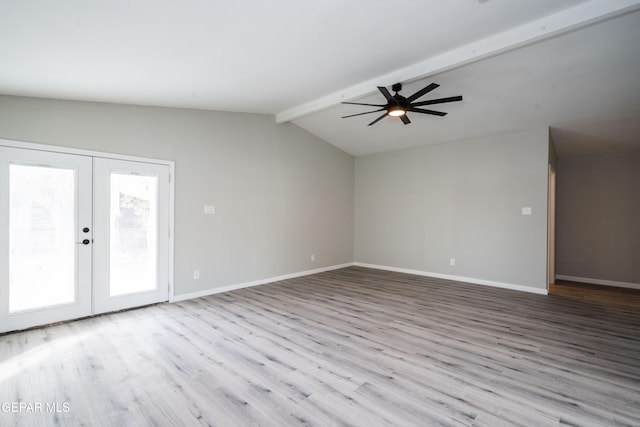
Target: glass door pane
x,y
133,224
42,252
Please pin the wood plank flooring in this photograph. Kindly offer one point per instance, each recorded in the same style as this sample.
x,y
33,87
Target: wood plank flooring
x,y
606,297
356,347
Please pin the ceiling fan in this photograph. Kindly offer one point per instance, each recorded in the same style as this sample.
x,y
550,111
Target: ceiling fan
x,y
398,106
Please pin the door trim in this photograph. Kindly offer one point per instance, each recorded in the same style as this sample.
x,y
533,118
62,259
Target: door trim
x,y
115,156
551,228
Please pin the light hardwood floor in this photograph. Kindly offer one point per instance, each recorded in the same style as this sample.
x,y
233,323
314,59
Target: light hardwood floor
x,y
355,346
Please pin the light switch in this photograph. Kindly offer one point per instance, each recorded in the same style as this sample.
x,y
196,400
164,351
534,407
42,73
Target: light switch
x,y
526,210
209,209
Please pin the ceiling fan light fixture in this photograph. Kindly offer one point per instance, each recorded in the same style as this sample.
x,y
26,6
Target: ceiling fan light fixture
x,y
396,111
397,105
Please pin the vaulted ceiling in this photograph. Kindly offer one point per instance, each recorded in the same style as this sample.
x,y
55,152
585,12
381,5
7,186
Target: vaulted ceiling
x,y
571,64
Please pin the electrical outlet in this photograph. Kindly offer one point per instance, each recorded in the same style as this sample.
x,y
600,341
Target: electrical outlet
x,y
452,261
313,258
196,274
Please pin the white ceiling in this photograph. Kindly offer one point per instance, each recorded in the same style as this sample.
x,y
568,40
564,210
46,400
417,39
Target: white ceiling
x,y
584,81
282,55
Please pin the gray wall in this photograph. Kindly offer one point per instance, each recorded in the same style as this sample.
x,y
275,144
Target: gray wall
x,y
598,217
280,193
418,208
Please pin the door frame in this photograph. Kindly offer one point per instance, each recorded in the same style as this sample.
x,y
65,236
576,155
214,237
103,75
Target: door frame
x,y
114,156
551,228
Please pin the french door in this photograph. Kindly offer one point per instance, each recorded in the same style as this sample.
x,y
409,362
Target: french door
x,y
79,235
45,267
131,250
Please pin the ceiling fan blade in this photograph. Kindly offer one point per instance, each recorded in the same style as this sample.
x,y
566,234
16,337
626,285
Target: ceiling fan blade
x,y
422,91
437,101
359,114
405,119
420,110
386,94
378,119
359,103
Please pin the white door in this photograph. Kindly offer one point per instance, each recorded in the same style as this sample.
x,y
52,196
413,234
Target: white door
x,y
131,239
45,237
79,235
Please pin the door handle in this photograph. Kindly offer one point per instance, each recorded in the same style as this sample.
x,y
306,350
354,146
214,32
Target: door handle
x,y
84,242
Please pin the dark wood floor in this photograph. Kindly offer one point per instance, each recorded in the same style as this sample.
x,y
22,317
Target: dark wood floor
x,y
605,297
354,347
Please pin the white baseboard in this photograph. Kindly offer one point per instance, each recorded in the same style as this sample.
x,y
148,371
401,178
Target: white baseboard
x,y
629,285
221,289
456,278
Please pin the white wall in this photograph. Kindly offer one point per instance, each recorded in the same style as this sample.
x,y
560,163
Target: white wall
x,y
280,193
416,209
598,221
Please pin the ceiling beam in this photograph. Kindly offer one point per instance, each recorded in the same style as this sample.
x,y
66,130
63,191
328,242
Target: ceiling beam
x,y
558,23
